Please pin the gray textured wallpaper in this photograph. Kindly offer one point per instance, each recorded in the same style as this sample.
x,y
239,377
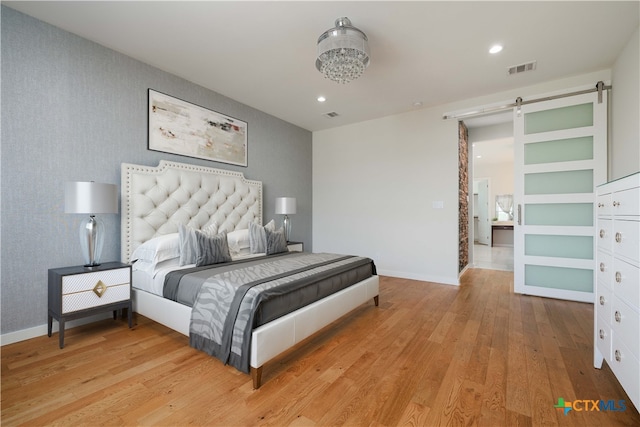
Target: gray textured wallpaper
x,y
73,110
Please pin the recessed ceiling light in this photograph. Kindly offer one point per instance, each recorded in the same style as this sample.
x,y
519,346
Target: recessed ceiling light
x,y
321,99
478,157
417,104
495,48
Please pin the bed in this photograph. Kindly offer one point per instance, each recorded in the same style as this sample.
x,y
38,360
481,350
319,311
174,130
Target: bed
x,y
175,199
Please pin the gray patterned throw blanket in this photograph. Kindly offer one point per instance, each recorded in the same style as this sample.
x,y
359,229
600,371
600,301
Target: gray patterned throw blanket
x,y
232,302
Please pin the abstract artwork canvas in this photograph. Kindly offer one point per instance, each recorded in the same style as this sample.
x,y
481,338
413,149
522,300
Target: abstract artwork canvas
x,y
179,127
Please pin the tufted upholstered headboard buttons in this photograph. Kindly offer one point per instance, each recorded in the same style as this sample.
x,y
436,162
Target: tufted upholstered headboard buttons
x,y
156,199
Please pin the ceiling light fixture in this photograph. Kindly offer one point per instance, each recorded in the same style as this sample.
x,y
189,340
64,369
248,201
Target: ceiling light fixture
x,y
321,99
495,48
343,52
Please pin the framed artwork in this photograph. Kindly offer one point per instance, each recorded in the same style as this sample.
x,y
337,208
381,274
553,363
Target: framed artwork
x,y
179,127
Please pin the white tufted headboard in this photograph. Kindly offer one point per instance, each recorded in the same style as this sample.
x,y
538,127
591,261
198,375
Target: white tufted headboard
x,y
156,199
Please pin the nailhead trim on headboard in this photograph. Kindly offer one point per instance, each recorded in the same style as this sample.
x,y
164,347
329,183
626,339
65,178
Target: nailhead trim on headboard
x,y
155,199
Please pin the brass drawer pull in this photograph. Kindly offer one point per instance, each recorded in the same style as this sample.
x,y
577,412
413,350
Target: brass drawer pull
x,y
618,355
618,316
100,288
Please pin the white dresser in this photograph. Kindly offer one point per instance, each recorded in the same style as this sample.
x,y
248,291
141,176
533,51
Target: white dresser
x,y
617,305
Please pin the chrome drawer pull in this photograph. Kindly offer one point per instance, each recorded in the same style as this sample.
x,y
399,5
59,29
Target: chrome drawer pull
x,y
618,277
616,203
601,300
601,233
601,205
618,237
618,316
601,334
618,355
602,266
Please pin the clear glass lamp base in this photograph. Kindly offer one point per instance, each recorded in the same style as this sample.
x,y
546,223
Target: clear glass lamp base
x,y
91,240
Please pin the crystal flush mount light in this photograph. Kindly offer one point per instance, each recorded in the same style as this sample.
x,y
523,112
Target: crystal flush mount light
x,y
343,52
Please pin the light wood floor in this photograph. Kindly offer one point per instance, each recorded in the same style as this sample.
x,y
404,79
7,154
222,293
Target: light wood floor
x,y
428,355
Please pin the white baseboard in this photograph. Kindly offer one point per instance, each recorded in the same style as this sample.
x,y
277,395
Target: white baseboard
x,y
425,278
38,331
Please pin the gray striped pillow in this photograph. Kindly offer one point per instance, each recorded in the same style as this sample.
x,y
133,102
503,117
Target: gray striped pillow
x,y
212,250
276,243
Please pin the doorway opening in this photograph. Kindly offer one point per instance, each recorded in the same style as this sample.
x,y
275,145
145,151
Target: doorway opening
x,y
491,171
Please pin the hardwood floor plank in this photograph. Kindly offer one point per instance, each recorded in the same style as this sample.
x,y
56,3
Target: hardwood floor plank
x,y
430,354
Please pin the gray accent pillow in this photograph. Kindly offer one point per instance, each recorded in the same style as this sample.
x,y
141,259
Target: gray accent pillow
x,y
276,243
257,238
188,244
212,250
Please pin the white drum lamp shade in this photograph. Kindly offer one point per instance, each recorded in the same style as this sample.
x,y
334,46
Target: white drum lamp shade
x,y
91,198
286,206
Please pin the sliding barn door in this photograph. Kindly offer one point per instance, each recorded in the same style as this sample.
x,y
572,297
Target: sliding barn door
x,y
560,157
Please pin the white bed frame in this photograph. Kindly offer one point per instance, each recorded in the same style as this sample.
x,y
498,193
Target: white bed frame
x,y
156,199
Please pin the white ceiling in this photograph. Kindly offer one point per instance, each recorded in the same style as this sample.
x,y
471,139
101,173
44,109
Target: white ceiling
x,y
263,53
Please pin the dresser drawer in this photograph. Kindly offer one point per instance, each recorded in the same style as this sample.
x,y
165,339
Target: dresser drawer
x,y
625,324
626,202
603,337
604,234
604,205
604,269
626,368
604,302
626,240
626,282
87,281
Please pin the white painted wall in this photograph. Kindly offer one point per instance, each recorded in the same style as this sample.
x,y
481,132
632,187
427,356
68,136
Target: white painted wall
x,y
500,175
375,184
374,187
624,147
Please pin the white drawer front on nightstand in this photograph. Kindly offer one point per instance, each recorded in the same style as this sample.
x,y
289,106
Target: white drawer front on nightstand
x,y
626,368
87,281
625,323
89,299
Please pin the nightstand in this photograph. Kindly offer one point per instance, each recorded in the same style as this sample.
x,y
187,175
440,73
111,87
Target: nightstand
x,y
295,246
78,291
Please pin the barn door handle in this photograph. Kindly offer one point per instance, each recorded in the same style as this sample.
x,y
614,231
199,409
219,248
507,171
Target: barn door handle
x,y
519,214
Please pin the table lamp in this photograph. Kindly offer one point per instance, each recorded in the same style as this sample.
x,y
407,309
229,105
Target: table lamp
x,y
286,206
91,198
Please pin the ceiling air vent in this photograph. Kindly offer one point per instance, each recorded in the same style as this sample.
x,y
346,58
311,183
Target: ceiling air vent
x,y
331,114
517,69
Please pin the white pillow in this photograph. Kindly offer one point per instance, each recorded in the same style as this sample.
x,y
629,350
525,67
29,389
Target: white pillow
x,y
158,249
152,268
238,241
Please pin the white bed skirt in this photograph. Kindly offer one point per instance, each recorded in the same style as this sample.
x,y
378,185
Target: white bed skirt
x,y
275,337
